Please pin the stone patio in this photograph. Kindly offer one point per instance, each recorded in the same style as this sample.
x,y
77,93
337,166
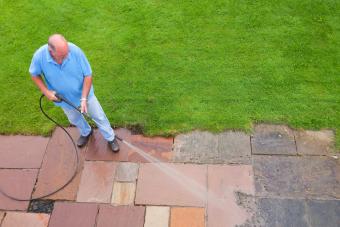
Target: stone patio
x,y
275,177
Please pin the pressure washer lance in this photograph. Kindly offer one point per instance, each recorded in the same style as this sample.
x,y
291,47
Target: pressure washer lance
x,y
60,99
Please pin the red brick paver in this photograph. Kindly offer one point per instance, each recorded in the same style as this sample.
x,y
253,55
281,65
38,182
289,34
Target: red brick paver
x,y
223,184
171,184
16,219
187,217
121,216
97,182
67,214
22,151
16,183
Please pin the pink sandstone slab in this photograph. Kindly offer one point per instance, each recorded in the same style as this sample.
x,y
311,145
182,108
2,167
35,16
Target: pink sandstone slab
x,y
16,183
224,182
157,147
96,183
16,219
172,184
2,214
121,216
98,149
187,216
24,152
58,165
70,191
66,214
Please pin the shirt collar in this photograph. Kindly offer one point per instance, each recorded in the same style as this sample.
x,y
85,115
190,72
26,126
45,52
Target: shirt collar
x,y
50,58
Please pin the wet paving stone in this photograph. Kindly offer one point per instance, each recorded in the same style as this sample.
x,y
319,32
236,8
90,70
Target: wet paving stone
x,y
158,148
121,216
98,149
208,148
41,206
187,216
17,183
67,214
273,139
22,151
297,177
18,219
315,142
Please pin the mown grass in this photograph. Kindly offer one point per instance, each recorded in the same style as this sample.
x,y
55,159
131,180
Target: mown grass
x,y
173,66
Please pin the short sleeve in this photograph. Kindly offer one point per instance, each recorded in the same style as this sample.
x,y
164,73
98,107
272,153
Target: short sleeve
x,y
35,67
84,64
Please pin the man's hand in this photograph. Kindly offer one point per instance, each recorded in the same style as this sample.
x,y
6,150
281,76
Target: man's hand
x,y
51,95
83,106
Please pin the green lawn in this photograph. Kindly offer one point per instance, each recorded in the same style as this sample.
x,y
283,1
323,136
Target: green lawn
x,y
173,66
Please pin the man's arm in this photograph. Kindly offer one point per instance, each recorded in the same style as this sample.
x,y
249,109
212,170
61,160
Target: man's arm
x,y
41,85
85,92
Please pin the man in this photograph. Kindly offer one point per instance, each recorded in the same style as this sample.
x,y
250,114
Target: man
x,y
67,71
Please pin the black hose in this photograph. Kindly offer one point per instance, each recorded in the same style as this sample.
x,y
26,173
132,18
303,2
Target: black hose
x,y
76,160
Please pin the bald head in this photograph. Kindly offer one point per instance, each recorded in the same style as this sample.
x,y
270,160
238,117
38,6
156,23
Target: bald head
x,y
58,47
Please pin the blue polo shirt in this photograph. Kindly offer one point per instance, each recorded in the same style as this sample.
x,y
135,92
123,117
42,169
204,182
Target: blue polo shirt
x,y
67,78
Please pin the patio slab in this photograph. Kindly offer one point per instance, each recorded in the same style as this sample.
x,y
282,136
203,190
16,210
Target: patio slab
x,y
224,182
297,177
67,214
187,216
324,212
273,139
157,216
23,152
18,183
315,142
16,219
208,148
121,216
172,184
2,214
98,149
282,212
58,166
97,182
127,172
157,147
123,193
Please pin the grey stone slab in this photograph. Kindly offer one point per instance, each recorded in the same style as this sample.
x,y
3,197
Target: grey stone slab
x,y
324,212
278,176
127,172
273,139
315,142
205,147
297,177
281,212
